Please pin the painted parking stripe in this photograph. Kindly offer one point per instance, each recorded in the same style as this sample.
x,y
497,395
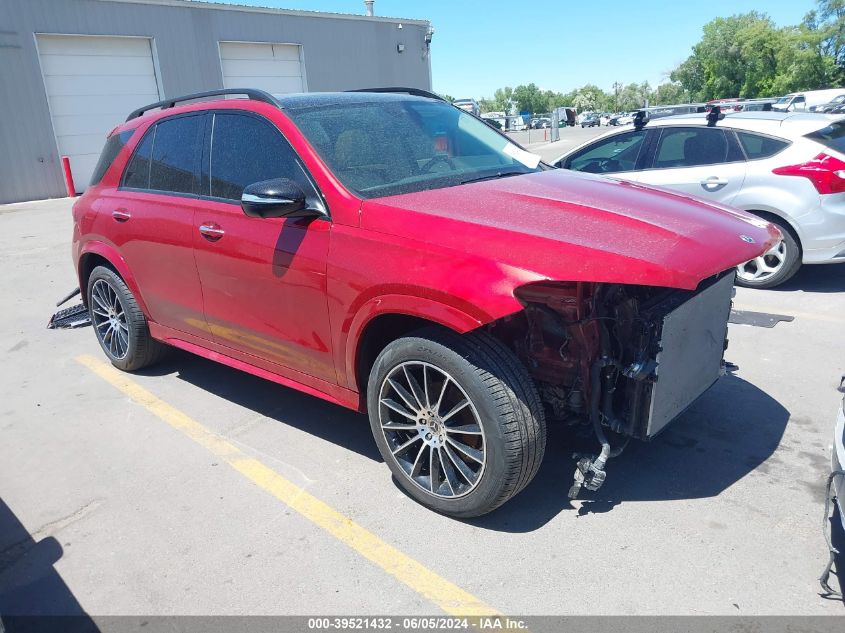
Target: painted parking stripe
x,y
445,594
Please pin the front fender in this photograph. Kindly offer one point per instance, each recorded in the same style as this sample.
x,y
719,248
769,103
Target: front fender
x,y
441,313
109,253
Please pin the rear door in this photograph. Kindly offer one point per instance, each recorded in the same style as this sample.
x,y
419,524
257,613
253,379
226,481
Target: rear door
x,y
150,220
702,161
263,279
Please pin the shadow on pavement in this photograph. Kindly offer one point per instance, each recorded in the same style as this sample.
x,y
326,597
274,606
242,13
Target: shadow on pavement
x,y
32,594
318,417
820,278
728,433
731,431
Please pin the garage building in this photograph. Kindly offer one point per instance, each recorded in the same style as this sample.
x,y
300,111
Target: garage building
x,y
70,70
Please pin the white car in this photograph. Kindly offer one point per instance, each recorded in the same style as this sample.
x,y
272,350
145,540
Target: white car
x,y
785,167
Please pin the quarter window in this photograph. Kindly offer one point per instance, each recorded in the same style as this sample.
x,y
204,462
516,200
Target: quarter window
x,y
759,146
616,154
137,175
246,150
112,148
176,155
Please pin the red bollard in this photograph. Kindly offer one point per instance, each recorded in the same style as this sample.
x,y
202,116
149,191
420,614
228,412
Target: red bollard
x,y
71,190
545,134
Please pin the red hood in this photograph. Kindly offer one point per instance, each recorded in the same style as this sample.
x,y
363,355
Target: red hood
x,y
567,226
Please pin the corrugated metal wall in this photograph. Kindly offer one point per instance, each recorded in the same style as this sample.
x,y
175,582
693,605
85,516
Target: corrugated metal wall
x,y
340,53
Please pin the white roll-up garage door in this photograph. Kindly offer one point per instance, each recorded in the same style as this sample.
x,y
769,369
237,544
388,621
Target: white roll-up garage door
x,y
276,68
92,83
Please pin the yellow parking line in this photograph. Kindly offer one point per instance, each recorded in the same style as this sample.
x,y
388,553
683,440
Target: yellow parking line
x,y
446,595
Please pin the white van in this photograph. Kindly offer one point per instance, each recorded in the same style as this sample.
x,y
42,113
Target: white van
x,y
802,101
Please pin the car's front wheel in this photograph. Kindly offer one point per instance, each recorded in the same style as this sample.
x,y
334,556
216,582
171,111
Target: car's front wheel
x,y
775,266
457,419
119,323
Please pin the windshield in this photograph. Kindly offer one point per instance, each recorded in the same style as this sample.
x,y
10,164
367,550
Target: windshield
x,y
384,148
785,99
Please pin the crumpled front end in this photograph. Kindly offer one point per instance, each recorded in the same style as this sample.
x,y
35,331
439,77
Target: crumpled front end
x,y
626,360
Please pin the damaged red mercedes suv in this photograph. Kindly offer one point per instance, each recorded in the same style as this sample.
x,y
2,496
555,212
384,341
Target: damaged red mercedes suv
x,y
394,254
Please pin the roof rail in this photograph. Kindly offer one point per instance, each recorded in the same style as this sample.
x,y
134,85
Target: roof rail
x,y
416,92
253,94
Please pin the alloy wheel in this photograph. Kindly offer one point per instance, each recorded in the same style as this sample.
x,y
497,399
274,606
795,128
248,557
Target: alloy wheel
x,y
109,319
765,265
432,429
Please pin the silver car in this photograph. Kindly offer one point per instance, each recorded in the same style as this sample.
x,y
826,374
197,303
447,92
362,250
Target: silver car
x,y
787,168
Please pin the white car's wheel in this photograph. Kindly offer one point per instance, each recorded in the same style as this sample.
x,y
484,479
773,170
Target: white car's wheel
x,y
773,267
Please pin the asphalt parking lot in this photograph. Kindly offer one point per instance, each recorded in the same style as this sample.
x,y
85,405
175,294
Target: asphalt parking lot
x,y
192,488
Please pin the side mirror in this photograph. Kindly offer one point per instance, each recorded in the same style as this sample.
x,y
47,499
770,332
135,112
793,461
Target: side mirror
x,y
276,198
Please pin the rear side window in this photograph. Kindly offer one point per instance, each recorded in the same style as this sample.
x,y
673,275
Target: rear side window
x,y
246,150
832,136
137,174
693,146
112,148
616,154
758,146
176,155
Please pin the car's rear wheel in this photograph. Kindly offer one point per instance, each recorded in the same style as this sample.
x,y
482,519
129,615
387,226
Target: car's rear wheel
x,y
773,267
119,323
457,419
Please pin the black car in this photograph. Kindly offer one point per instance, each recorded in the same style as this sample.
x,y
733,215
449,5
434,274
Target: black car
x,y
591,120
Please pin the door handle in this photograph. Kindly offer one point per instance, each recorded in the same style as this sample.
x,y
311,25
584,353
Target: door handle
x,y
713,182
121,215
211,231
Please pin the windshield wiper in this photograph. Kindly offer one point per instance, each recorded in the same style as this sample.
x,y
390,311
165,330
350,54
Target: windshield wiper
x,y
500,174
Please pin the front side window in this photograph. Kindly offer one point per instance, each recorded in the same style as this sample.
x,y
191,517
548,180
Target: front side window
x,y
176,155
396,146
246,150
692,146
619,153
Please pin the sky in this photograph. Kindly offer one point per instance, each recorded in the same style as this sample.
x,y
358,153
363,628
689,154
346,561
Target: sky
x,y
559,45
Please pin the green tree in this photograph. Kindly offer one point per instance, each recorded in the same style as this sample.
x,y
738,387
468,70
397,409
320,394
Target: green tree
x,y
503,98
530,99
669,93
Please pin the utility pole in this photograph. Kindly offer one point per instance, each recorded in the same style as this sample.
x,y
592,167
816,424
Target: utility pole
x,y
616,96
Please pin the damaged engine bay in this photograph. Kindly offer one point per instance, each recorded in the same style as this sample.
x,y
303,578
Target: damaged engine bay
x,y
620,358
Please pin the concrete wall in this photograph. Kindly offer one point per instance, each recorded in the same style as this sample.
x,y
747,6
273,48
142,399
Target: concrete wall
x,y
340,52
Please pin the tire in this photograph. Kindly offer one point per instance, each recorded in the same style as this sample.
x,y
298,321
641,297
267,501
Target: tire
x,y
503,417
752,274
119,324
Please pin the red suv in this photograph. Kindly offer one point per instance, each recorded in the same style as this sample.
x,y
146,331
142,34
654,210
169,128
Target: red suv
x,y
391,253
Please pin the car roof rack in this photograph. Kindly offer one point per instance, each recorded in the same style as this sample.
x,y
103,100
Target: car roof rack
x,y
640,119
714,115
252,93
415,92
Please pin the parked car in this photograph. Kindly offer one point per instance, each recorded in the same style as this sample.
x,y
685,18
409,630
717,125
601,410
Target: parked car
x,y
391,253
542,122
625,118
801,101
836,491
829,106
591,120
838,456
786,168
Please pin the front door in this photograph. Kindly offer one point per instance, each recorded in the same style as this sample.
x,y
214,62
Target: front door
x,y
263,279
